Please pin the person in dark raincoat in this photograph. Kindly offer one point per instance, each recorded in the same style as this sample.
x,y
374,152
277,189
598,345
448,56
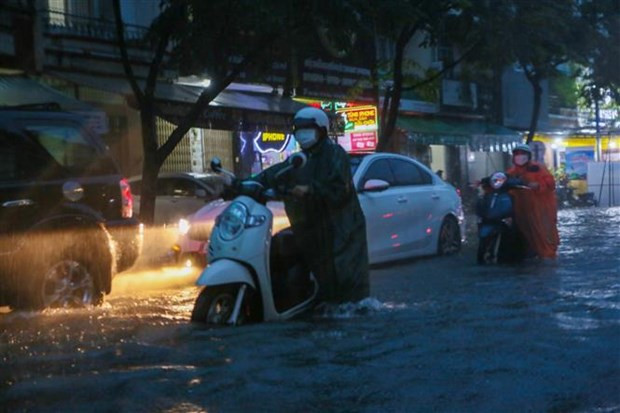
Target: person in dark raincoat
x,y
325,215
535,210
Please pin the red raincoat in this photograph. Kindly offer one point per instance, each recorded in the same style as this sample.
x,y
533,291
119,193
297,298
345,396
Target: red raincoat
x,y
536,210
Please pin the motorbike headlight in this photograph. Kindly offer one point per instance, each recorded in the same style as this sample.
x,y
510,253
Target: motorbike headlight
x,y
183,226
231,222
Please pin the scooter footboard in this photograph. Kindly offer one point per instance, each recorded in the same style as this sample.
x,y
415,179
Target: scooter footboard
x,y
225,272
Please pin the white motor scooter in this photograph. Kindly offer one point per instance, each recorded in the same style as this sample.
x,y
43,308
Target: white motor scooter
x,y
252,275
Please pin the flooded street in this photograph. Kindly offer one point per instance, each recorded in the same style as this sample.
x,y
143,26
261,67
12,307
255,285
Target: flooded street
x,y
438,334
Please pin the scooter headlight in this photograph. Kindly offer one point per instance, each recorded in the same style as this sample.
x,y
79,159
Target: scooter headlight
x,y
232,221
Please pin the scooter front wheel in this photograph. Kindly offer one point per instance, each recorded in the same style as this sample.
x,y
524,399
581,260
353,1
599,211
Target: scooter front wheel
x,y
216,304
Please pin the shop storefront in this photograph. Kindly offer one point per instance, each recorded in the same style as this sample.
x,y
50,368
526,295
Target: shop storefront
x,y
572,151
571,156
465,150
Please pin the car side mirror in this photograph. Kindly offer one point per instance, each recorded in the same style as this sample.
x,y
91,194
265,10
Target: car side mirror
x,y
216,164
201,193
375,185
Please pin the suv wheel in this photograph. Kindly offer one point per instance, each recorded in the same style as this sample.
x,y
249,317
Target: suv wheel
x,y
67,271
69,283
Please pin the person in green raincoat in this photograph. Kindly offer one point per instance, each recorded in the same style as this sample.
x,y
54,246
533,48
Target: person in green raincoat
x,y
325,215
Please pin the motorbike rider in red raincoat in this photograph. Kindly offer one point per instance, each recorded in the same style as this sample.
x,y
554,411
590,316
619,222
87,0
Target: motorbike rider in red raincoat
x,y
535,210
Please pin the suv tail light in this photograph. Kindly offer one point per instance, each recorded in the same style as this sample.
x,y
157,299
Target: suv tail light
x,y
126,199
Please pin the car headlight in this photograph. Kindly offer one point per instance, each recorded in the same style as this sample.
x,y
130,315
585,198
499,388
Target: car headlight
x,y
232,221
183,226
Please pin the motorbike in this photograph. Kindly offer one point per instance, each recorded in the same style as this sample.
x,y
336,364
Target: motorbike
x,y
499,241
567,198
253,275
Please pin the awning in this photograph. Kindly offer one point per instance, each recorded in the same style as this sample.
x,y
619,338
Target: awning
x,y
478,135
21,90
181,93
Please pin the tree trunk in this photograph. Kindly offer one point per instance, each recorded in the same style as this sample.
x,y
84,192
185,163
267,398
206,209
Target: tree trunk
x,y
535,81
150,166
396,91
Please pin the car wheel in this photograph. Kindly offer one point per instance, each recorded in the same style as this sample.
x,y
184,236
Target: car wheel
x,y
215,305
65,272
69,283
449,239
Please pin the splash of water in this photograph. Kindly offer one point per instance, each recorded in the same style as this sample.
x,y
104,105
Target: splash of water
x,y
349,310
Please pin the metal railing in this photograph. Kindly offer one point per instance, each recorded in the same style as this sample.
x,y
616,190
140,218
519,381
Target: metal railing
x,y
56,22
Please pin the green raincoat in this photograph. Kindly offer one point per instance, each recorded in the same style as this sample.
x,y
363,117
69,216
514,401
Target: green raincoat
x,y
328,223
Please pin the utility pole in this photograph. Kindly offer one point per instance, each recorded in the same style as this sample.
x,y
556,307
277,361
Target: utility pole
x,y
598,153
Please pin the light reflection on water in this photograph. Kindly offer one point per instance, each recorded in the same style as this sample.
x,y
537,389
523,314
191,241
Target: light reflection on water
x,y
441,334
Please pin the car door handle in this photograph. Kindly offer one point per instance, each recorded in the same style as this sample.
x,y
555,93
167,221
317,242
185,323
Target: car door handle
x,y
401,200
435,196
17,203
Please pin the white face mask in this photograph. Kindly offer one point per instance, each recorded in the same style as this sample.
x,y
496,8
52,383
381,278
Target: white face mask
x,y
520,160
306,137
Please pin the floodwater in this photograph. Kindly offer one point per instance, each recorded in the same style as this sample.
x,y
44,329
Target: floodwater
x,y
438,334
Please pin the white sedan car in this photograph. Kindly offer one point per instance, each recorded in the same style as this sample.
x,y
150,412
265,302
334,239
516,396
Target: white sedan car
x,y
409,211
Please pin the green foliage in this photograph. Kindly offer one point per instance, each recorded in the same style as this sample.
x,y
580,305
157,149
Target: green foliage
x,y
566,90
599,50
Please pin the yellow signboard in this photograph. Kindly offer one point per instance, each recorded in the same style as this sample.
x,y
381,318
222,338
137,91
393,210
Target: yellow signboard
x,y
360,118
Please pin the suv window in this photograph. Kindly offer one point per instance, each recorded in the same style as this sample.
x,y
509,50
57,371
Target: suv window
x,y
10,165
408,173
70,149
21,159
379,169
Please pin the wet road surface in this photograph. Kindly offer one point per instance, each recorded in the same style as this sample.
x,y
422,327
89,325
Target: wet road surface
x,y
438,334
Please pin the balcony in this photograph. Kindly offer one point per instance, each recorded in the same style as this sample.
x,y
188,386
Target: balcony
x,y
63,24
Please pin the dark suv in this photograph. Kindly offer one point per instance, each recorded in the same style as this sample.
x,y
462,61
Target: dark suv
x,y
66,224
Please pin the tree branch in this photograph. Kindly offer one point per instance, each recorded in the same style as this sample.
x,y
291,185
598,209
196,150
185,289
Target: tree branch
x,y
444,70
120,37
207,96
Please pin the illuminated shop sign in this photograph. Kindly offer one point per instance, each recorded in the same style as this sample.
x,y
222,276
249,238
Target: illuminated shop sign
x,y
360,128
362,118
363,141
271,141
329,105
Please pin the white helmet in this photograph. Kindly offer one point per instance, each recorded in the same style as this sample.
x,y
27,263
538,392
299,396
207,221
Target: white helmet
x,y
311,117
307,125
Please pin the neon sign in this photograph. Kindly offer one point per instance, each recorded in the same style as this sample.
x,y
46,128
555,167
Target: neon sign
x,y
266,142
363,118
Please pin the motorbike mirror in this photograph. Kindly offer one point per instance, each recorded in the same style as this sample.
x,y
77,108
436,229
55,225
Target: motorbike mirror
x,y
297,160
216,164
